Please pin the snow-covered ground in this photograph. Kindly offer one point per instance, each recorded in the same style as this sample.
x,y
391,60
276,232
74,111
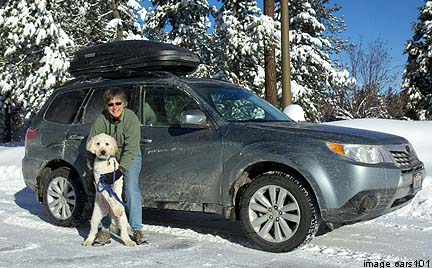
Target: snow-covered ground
x,y
196,240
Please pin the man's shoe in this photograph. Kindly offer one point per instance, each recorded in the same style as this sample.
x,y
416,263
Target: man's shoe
x,y
138,237
103,237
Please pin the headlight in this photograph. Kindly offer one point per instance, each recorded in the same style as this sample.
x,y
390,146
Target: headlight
x,y
370,154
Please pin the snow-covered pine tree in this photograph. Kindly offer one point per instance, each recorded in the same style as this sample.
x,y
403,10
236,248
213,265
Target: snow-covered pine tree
x,y
33,49
85,21
37,40
183,23
89,22
240,36
126,16
333,25
241,33
417,76
313,74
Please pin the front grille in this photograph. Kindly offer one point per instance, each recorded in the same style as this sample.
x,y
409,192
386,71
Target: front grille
x,y
405,157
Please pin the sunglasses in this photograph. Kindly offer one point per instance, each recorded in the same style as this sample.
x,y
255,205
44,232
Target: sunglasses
x,y
111,104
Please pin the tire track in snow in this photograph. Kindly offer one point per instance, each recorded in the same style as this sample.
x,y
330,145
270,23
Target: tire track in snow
x,y
30,222
342,257
17,248
187,233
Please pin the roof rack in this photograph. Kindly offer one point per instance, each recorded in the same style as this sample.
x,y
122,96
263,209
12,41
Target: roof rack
x,y
125,74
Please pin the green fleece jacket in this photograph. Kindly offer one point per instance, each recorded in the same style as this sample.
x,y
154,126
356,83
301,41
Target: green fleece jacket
x,y
126,132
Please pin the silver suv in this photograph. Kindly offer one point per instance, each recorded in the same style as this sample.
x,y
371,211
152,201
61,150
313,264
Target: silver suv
x,y
209,146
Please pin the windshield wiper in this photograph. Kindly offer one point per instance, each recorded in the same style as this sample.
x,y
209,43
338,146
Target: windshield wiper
x,y
261,120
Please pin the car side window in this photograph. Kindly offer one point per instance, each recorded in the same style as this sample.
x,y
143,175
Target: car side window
x,y
95,105
65,107
162,107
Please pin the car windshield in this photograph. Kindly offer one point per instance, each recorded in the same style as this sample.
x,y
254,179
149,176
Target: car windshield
x,y
238,105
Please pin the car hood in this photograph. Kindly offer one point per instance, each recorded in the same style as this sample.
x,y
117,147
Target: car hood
x,y
327,133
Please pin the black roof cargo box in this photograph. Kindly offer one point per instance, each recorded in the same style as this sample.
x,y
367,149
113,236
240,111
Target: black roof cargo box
x,y
132,56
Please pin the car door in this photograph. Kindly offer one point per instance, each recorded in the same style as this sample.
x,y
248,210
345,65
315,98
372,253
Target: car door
x,y
180,165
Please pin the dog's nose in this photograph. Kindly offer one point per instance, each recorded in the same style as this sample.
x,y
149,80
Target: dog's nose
x,y
103,152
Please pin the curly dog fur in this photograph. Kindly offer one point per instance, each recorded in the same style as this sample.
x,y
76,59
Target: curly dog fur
x,y
105,148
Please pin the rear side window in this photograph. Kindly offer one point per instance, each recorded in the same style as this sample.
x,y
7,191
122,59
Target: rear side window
x,y
65,107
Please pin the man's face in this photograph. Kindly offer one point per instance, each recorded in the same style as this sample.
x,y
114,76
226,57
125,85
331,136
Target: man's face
x,y
115,107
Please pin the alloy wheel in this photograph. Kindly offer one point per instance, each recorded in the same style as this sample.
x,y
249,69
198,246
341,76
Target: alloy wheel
x,y
61,198
274,213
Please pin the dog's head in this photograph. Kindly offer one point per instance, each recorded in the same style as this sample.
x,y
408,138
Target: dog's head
x,y
102,145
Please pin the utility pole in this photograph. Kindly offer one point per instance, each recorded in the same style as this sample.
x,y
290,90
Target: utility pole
x,y
286,61
270,62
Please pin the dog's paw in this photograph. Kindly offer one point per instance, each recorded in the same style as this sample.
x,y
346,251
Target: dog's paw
x,y
130,243
118,212
87,243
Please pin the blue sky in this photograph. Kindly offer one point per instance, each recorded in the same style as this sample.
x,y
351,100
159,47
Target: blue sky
x,y
391,20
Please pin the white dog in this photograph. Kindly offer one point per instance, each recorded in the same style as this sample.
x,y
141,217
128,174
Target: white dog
x,y
105,148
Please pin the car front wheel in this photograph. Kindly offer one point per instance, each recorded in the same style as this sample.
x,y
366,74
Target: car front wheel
x,y
64,199
277,213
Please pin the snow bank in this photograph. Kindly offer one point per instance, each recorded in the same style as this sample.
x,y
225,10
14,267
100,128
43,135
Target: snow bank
x,y
417,133
11,156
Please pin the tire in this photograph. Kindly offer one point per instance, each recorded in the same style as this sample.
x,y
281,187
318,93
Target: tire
x,y
282,221
64,198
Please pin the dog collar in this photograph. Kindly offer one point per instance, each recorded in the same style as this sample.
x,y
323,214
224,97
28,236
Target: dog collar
x,y
104,159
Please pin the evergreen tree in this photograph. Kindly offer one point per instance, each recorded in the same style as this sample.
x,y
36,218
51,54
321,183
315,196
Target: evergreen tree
x,y
240,36
34,61
333,25
90,22
313,74
417,76
182,23
37,40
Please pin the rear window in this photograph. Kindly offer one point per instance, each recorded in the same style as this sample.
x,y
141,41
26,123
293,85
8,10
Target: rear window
x,y
65,107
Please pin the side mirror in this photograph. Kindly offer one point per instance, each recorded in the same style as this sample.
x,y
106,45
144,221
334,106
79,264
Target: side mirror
x,y
193,118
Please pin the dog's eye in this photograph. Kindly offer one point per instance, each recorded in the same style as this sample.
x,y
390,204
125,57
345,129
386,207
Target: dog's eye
x,y
98,143
107,144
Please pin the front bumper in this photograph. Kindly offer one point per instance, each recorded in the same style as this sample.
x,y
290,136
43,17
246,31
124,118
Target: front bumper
x,y
370,204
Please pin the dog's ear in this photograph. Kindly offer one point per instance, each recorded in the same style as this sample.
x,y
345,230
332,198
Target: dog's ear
x,y
91,145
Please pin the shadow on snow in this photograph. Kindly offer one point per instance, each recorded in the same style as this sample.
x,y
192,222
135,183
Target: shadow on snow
x,y
201,223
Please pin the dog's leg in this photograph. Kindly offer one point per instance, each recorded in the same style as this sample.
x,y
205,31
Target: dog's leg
x,y
94,224
123,223
117,207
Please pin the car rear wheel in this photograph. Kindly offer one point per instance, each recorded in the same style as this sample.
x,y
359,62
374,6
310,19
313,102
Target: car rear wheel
x,y
277,213
64,199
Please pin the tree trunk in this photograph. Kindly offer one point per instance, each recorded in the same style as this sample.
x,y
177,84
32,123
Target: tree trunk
x,y
270,62
7,135
116,13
